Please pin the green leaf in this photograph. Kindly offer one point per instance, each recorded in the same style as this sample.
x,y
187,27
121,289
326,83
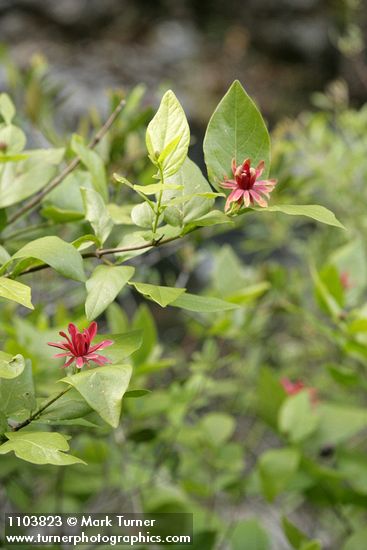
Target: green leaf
x,y
218,427
61,216
298,419
357,541
276,469
338,423
55,252
295,537
237,131
215,217
168,135
67,195
103,286
20,180
248,534
202,304
142,215
162,295
96,213
93,163
193,185
103,389
69,406
270,396
17,292
155,188
314,211
143,321
124,345
136,393
11,367
13,137
7,109
39,448
120,214
17,394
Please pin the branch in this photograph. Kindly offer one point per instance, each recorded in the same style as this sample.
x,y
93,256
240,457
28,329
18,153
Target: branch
x,y
39,411
32,203
99,253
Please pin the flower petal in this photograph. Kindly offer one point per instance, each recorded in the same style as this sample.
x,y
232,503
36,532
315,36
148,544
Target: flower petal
x,y
101,345
260,168
68,363
59,345
233,197
246,198
228,184
80,362
92,330
257,198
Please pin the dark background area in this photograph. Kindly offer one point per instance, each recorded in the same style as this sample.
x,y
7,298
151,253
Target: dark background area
x,y
281,50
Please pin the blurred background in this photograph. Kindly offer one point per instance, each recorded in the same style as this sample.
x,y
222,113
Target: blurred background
x,y
283,50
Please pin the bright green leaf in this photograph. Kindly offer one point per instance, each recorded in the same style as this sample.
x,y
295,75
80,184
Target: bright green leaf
x,y
298,419
96,213
313,211
163,295
142,215
7,109
276,469
11,367
168,135
249,535
237,131
15,291
124,345
93,163
17,394
218,427
103,286
103,389
55,252
202,304
39,448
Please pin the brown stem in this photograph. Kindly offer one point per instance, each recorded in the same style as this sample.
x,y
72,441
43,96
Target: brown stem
x,y
68,169
39,411
103,252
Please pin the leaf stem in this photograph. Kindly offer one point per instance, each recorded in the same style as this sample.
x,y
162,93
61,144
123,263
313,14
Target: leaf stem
x,y
32,203
39,411
158,211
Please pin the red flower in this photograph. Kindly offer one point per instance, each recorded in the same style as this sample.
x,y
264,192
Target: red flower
x,y
78,346
246,187
293,388
345,280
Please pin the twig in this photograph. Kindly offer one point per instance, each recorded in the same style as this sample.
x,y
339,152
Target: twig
x,y
103,252
68,169
39,411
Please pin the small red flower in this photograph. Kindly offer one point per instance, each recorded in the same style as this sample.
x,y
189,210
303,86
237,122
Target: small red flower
x,y
78,347
293,388
246,187
345,280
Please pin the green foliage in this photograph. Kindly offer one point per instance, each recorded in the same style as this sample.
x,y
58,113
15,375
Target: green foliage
x,y
39,448
103,390
237,131
105,283
203,422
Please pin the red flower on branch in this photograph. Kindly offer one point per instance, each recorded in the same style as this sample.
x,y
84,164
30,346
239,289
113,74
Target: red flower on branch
x,y
293,388
246,187
77,346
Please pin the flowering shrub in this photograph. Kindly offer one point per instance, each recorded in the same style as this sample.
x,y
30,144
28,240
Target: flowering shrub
x,y
80,225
